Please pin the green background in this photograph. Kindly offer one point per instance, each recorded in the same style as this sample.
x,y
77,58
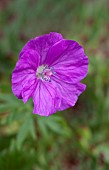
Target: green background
x,y
77,138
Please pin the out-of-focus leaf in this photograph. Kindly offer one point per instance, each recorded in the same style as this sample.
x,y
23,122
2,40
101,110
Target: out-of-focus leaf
x,y
56,124
27,128
102,149
85,136
9,129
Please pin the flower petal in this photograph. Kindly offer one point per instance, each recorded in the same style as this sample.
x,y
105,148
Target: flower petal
x,y
68,92
45,99
28,59
69,61
24,75
23,84
42,44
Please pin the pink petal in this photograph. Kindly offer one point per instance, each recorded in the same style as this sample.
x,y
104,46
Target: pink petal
x,y
29,59
23,84
45,99
69,61
68,92
42,44
24,75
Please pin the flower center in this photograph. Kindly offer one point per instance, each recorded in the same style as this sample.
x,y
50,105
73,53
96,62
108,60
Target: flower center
x,y
44,72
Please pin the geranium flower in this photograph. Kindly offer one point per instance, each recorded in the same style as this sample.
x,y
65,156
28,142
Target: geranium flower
x,y
49,71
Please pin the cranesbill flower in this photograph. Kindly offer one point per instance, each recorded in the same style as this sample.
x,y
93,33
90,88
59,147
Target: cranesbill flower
x,y
49,71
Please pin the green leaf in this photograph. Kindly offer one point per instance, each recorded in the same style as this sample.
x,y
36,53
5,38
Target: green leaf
x,y
56,124
26,128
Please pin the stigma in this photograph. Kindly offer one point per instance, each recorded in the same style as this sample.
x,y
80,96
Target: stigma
x,y
44,73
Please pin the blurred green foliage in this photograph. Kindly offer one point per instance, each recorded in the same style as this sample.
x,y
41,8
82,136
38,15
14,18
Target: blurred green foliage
x,y
75,139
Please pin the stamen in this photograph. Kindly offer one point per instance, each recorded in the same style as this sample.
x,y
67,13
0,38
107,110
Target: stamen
x,y
45,73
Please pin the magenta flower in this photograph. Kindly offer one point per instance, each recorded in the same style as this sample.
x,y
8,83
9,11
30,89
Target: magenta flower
x,y
49,71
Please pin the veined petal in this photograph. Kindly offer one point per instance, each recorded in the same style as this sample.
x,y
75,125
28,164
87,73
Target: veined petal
x,y
68,92
24,75
45,99
68,60
29,59
42,44
28,90
23,84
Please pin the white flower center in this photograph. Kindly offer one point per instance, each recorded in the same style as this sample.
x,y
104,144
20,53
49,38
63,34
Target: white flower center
x,y
45,73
